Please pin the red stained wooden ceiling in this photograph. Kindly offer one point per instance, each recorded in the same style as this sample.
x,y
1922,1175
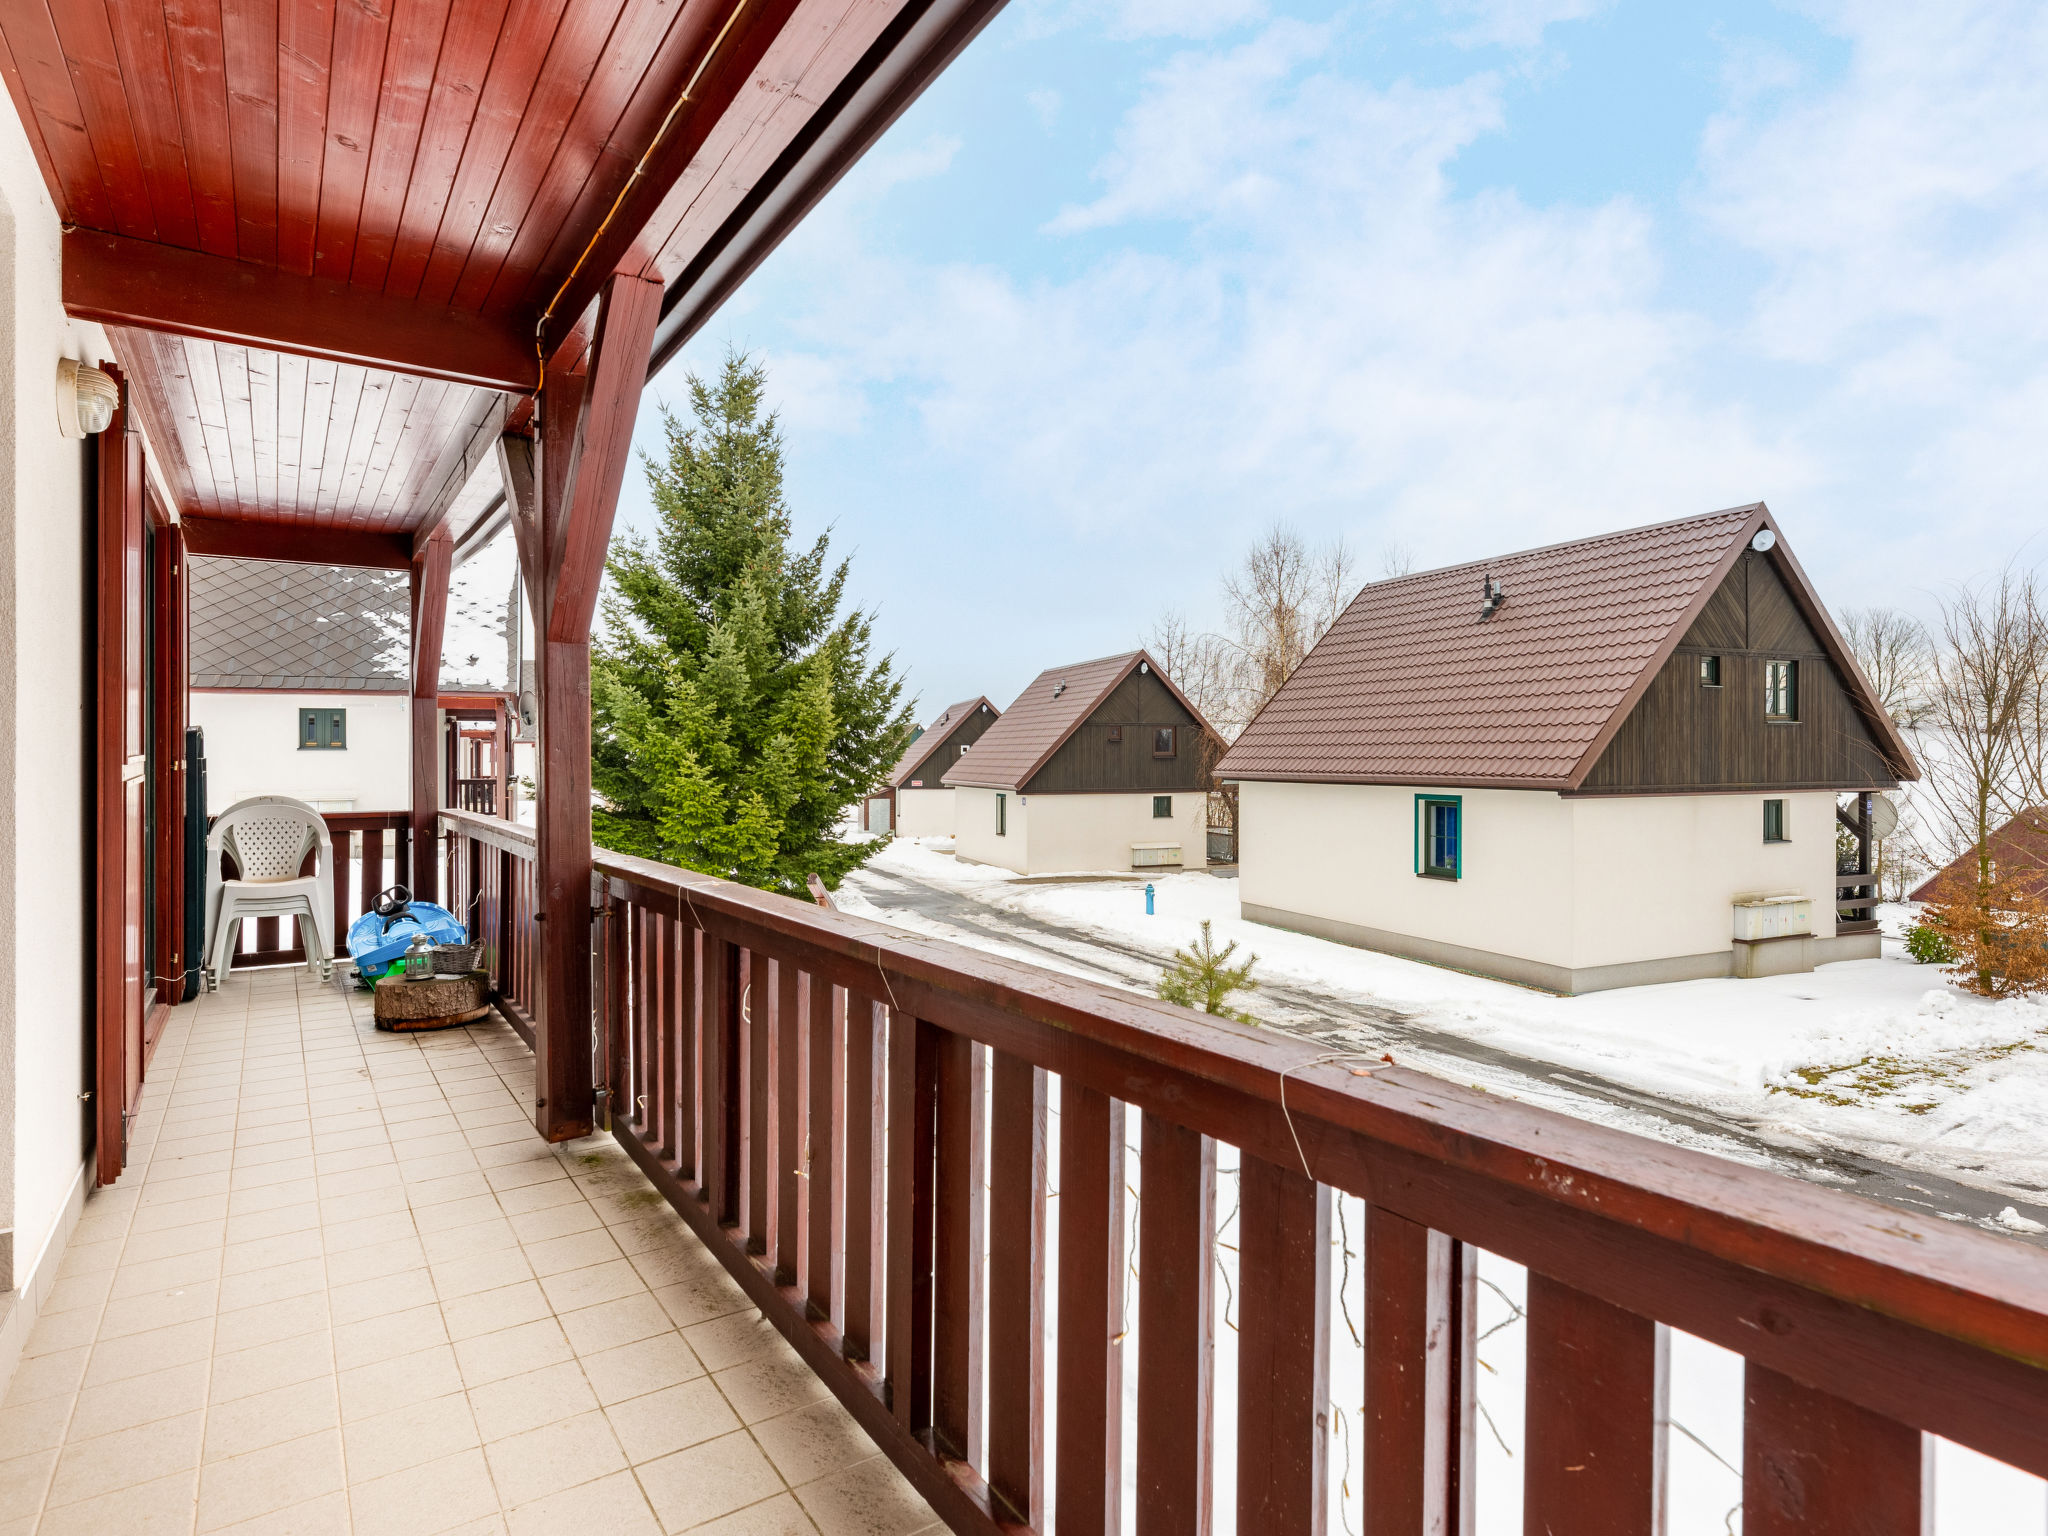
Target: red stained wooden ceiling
x,y
384,196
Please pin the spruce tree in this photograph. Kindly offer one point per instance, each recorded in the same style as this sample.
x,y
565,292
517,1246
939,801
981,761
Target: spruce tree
x,y
736,712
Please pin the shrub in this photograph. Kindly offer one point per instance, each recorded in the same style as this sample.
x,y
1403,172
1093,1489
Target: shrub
x,y
1995,931
1202,976
1929,946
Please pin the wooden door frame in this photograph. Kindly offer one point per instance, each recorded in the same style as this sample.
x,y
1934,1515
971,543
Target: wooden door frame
x,y
170,708
117,1006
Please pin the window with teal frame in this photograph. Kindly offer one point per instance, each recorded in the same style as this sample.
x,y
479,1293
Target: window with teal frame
x,y
1439,836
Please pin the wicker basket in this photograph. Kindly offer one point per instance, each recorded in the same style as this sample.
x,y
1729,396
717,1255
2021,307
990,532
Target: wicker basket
x,y
457,959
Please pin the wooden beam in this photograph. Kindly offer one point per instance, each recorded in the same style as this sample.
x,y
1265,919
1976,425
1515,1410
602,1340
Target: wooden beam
x,y
464,455
604,443
117,280
586,436
303,542
429,618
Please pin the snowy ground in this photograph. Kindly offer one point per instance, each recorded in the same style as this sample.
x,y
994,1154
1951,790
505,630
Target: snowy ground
x,y
1878,1055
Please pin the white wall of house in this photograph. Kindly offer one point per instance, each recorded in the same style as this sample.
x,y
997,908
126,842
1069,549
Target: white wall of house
x,y
924,812
1060,834
252,748
46,694
1565,883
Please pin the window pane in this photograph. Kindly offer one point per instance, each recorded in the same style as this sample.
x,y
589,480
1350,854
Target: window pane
x,y
1162,806
1162,741
1710,671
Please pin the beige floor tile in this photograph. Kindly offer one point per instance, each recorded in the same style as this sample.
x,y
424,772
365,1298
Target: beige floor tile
x,y
383,1338
575,1250
375,1261
480,1272
871,1499
36,1426
61,1332
519,1403
779,1516
326,1516
269,1252
369,1390
470,1240
814,1441
274,1478
426,1500
708,1480
138,1279
246,1372
733,1340
564,1454
277,1221
269,1321
613,1505
662,1422
587,1287
182,1237
406,1437
278,1283
512,1352
592,1330
540,1196
89,1468
361,1299
692,1302
139,1399
489,1311
23,1481
646,1365
447,1215
555,1221
160,1508
245,1424
138,1354
771,1385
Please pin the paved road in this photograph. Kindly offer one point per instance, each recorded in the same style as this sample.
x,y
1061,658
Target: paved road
x,y
1345,1023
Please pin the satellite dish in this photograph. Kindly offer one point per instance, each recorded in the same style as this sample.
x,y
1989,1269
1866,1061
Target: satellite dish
x,y
1764,540
529,712
1884,817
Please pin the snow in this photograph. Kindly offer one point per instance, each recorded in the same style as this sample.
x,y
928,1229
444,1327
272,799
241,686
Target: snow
x,y
1873,1056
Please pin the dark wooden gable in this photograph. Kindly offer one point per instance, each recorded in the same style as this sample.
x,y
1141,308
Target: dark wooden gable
x,y
947,753
1089,762
1684,735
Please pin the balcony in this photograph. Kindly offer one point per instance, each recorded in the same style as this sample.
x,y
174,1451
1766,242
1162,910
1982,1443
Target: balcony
x,y
344,1285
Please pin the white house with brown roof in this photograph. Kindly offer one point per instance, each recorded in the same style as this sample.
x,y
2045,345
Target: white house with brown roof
x,y
1597,764
912,802
1102,765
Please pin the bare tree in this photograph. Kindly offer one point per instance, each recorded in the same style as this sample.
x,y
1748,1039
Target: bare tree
x,y
1280,602
1980,734
1396,559
1895,653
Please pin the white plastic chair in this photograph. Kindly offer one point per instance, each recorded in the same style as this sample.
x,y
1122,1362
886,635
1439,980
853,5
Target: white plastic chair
x,y
267,836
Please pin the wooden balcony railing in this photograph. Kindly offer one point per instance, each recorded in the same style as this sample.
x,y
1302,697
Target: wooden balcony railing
x,y
478,795
375,847
857,1121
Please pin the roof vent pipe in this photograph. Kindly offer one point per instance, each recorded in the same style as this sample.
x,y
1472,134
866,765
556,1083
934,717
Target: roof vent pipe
x,y
1492,595
1058,689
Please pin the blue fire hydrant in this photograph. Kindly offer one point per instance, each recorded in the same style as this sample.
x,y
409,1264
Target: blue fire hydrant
x,y
1148,898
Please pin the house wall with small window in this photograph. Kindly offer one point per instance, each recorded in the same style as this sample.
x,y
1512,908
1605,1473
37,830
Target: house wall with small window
x,y
255,746
1570,893
1061,834
1141,737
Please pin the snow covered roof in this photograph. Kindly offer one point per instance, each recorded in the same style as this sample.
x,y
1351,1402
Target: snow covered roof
x,y
1412,686
1044,716
280,624
934,736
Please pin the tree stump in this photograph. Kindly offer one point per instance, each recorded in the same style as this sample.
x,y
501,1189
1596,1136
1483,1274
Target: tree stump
x,y
438,1002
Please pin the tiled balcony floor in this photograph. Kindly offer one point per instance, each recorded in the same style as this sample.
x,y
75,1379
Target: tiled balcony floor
x,y
345,1287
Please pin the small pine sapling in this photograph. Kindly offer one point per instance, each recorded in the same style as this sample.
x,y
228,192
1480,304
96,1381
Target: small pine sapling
x,y
1996,932
1202,977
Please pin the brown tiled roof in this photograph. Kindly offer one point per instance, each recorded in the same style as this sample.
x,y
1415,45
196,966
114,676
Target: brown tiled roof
x,y
933,737
278,624
1043,716
1411,686
2019,849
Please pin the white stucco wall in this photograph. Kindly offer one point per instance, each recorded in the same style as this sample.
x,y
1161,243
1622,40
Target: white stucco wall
x,y
1563,881
252,748
924,812
974,829
1060,834
46,702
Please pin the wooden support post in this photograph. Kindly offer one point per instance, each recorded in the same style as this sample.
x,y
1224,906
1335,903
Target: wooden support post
x,y
1591,1459
1283,1371
1176,1339
429,617
168,698
562,510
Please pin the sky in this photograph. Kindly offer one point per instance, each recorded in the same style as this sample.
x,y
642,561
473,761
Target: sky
x,y
1137,279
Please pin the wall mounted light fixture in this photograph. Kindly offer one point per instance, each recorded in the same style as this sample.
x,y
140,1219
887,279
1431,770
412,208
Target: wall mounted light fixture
x,y
86,398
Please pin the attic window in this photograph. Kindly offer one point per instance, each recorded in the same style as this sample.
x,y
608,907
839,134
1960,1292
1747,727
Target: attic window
x,y
1710,671
1162,741
1781,690
1116,735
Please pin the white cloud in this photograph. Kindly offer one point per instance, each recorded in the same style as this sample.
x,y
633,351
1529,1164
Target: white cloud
x,y
1515,23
